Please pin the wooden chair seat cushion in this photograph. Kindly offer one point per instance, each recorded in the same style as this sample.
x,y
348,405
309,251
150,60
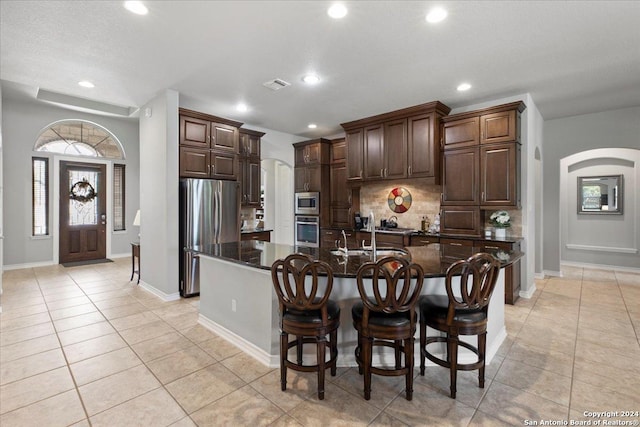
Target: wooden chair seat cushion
x,y
376,318
312,316
436,307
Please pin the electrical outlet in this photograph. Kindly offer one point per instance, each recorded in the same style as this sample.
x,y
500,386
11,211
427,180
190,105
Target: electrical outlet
x,y
233,305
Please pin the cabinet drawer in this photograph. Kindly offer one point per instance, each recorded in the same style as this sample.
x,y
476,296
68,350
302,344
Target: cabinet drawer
x,y
424,240
456,242
264,236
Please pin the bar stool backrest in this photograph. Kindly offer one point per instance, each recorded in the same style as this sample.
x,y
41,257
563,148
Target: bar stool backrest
x,y
478,276
298,281
395,285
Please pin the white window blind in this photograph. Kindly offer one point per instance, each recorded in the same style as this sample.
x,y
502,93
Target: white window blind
x,y
118,198
40,205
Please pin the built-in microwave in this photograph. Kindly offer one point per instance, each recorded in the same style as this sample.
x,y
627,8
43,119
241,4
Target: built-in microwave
x,y
307,232
308,203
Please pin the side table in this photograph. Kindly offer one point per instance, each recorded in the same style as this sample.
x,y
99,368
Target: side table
x,y
135,253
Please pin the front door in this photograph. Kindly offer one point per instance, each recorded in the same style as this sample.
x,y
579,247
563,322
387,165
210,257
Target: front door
x,y
82,212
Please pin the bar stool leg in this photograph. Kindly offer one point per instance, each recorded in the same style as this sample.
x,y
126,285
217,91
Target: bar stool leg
x,y
284,341
333,346
396,346
482,344
367,356
299,349
423,343
452,345
408,360
322,341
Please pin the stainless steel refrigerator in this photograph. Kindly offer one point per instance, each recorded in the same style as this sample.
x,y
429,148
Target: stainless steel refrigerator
x,y
209,214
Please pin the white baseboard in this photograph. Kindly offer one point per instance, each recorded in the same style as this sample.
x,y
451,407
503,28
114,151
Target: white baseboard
x,y
552,273
272,361
164,297
27,265
540,276
599,266
528,293
123,255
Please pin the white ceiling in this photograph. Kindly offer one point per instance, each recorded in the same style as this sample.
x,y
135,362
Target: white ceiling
x,y
574,57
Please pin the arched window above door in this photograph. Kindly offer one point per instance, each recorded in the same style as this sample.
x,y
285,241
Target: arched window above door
x,y
79,138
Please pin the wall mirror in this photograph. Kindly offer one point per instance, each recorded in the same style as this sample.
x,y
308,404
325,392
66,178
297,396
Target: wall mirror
x,y
600,194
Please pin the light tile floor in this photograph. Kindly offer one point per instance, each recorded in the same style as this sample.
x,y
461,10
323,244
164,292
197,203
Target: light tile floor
x,y
84,346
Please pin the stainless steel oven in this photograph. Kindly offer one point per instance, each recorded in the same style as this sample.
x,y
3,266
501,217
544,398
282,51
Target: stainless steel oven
x,y
307,231
308,203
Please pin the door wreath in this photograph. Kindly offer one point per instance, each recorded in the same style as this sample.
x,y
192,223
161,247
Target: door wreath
x,y
82,191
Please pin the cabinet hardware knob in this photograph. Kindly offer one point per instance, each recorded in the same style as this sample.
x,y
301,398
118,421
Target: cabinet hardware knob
x,y
409,170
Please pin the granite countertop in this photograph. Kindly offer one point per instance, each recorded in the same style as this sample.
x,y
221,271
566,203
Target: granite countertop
x,y
434,258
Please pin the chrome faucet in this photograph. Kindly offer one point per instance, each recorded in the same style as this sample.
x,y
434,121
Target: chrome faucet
x,y
372,228
344,250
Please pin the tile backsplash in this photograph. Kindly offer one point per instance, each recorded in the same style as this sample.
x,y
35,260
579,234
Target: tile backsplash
x,y
425,201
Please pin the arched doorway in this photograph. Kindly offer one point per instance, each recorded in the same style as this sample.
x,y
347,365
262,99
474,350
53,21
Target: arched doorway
x,y
88,186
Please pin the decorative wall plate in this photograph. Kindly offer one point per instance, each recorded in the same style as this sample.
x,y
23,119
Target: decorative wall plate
x,y
399,200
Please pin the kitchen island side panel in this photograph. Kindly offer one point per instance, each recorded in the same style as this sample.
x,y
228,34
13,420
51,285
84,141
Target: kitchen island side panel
x,y
255,318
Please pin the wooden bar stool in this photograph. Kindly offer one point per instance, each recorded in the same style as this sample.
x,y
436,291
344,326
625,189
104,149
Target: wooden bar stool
x,y
306,312
460,313
386,316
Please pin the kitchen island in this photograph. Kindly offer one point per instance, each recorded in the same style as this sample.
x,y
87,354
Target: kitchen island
x,y
238,302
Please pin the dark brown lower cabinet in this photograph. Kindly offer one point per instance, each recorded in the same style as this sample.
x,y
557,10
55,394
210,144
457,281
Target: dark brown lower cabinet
x,y
332,238
511,273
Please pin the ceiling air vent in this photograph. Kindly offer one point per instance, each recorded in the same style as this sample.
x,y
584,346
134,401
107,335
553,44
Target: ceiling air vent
x,y
276,84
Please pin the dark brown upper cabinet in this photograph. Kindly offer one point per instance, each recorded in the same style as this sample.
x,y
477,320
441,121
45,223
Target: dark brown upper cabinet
x,y
250,170
208,146
395,145
355,154
493,136
460,176
314,152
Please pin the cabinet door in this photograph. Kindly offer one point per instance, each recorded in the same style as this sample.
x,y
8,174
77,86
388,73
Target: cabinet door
x,y
224,137
252,143
395,149
460,176
224,166
498,172
339,190
460,133
329,238
465,220
301,180
422,151
314,178
194,132
243,167
194,163
338,151
374,152
253,183
498,127
355,154
301,155
314,154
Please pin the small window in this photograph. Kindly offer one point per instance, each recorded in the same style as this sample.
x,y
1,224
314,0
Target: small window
x,y
40,206
118,198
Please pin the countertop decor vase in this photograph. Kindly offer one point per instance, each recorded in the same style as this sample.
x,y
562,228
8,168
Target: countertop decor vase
x,y
500,232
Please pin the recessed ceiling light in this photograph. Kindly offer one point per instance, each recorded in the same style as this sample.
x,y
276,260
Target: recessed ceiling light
x,y
86,83
311,79
464,86
136,7
242,107
436,15
337,11
312,126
